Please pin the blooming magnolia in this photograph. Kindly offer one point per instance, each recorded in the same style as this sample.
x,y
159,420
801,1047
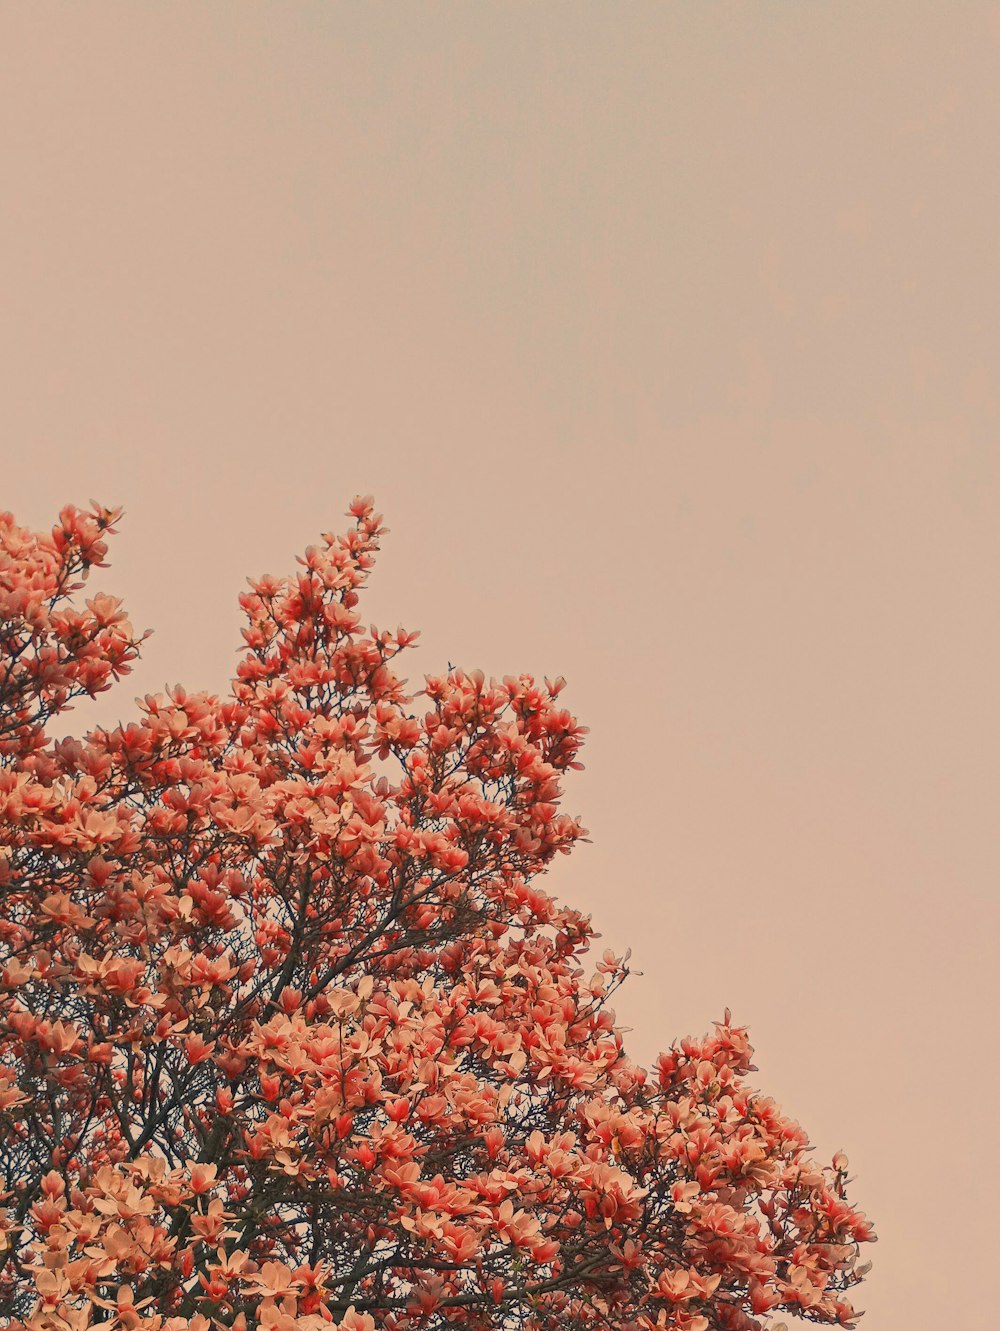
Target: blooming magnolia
x,y
292,1038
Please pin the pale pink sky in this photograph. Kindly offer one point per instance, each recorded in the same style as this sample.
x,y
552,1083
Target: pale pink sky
x,y
665,336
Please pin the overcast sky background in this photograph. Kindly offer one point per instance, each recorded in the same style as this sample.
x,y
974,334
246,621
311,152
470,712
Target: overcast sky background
x,y
666,338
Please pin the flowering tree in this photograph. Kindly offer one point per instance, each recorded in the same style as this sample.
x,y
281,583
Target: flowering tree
x,y
291,1037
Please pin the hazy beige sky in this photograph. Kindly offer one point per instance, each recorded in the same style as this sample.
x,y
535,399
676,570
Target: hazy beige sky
x,y
665,336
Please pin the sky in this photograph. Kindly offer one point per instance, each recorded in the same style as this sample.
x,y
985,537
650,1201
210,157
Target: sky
x,y
665,337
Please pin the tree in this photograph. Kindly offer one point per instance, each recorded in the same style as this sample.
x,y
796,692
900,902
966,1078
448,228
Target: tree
x,y
290,1035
